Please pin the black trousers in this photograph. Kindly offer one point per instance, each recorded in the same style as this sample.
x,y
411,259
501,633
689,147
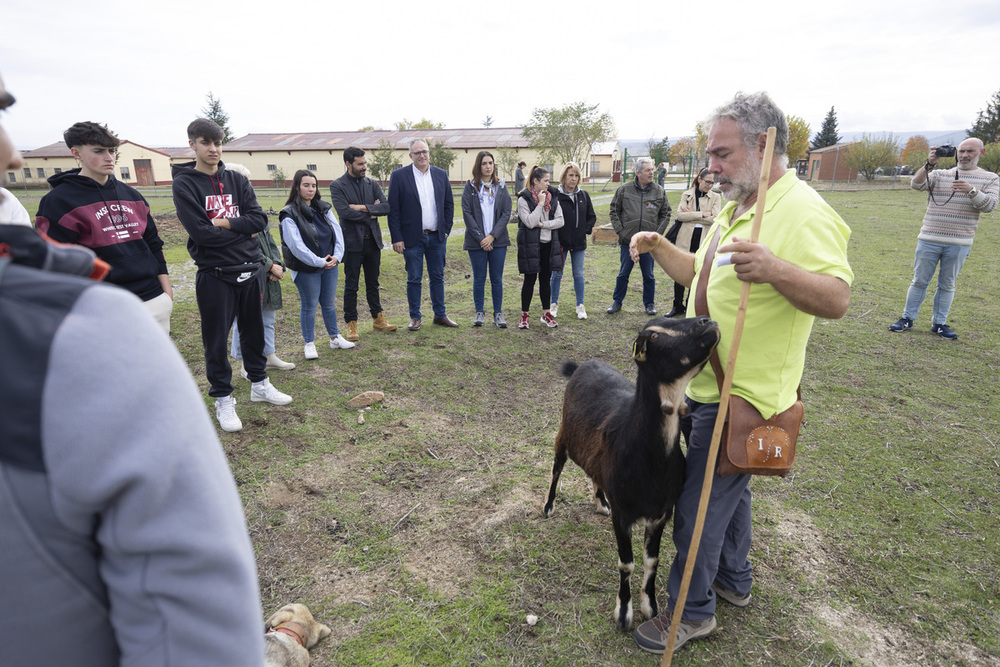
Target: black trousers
x,y
219,303
544,277
370,258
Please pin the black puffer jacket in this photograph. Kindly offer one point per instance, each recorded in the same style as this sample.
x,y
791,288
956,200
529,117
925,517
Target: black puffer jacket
x,y
529,241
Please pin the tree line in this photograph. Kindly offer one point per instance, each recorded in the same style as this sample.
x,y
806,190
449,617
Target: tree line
x,y
566,134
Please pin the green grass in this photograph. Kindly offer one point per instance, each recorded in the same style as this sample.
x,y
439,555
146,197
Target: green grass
x,y
418,537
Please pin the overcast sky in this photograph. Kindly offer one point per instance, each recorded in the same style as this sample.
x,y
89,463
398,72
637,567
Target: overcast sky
x,y
145,67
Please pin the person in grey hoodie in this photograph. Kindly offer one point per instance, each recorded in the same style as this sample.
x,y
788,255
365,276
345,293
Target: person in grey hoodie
x,y
121,531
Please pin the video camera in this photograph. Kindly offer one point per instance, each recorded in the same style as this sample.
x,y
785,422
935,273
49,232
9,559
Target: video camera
x,y
945,150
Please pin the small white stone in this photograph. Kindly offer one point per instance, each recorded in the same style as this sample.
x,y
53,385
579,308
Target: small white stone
x,y
531,619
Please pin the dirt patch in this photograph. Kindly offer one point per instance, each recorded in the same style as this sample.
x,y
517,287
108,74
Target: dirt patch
x,y
874,643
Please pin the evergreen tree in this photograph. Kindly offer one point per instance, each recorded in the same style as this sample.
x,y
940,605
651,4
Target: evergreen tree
x,y
828,135
215,112
987,125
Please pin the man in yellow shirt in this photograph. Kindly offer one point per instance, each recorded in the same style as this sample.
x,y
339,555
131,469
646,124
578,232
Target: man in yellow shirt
x,y
798,271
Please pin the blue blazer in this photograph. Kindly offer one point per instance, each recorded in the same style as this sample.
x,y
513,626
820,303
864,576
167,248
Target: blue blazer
x,y
405,214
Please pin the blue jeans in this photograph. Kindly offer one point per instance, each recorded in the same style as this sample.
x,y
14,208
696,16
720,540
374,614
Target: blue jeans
x,y
317,289
576,257
492,261
268,317
725,542
648,279
928,255
432,249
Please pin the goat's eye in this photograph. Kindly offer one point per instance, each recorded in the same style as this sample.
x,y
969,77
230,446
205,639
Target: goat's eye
x,y
653,337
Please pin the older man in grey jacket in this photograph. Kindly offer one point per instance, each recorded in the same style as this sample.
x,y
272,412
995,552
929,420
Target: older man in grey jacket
x,y
638,206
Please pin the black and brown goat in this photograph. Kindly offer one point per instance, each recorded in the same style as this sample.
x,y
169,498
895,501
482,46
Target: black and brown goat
x,y
627,439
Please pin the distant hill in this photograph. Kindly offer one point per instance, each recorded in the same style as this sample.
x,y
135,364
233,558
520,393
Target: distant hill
x,y
934,138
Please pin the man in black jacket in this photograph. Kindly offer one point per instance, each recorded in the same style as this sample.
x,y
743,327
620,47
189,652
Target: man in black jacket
x,y
358,201
220,212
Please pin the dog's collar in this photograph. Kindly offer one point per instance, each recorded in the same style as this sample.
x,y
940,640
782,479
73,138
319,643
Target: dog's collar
x,y
300,635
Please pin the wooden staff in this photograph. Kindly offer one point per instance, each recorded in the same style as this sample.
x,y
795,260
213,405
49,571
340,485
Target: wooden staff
x,y
720,420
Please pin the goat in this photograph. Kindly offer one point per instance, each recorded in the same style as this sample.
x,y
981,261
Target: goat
x,y
627,439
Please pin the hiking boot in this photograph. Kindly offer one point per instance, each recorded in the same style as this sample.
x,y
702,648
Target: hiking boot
x,y
310,350
480,319
274,362
352,331
499,321
581,312
225,412
903,324
732,597
650,309
651,636
614,308
338,342
554,309
264,392
944,331
548,320
380,323
523,324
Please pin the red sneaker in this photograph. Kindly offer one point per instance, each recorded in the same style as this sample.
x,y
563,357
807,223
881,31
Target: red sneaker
x,y
523,324
548,320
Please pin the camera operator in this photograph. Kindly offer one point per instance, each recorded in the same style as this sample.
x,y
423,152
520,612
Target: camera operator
x,y
955,199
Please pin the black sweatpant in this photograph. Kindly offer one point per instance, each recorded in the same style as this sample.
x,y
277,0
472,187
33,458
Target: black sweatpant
x,y
219,303
544,277
369,259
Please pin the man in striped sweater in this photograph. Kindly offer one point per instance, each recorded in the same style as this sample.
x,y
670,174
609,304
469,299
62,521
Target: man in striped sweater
x,y
955,199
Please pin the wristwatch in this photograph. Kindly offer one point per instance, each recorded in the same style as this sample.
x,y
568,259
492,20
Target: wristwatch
x,y
973,192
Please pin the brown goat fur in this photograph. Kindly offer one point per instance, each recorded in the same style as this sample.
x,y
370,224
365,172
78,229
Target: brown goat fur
x,y
627,439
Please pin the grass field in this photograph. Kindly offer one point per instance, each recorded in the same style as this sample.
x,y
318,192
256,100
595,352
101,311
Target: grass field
x,y
418,537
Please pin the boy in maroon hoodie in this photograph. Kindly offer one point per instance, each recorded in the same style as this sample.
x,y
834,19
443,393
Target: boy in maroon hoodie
x,y
90,207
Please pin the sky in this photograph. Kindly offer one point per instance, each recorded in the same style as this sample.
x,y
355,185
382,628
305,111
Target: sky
x,y
145,68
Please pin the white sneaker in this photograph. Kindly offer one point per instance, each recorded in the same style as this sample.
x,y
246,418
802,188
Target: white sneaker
x,y
264,391
225,412
554,310
274,362
581,312
340,343
310,350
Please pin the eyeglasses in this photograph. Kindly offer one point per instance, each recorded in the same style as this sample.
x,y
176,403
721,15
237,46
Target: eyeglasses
x,y
707,182
420,152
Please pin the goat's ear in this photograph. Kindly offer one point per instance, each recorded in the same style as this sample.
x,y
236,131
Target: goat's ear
x,y
639,347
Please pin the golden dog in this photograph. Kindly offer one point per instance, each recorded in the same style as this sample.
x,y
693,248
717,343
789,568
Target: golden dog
x,y
291,632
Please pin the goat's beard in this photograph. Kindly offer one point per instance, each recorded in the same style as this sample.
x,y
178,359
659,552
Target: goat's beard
x,y
744,183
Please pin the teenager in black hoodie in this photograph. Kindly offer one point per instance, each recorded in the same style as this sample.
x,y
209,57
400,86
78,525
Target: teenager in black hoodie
x,y
220,212
90,207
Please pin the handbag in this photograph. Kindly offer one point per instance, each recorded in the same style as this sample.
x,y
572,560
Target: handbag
x,y
750,444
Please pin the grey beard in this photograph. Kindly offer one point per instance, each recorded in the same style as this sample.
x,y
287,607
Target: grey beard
x,y
744,184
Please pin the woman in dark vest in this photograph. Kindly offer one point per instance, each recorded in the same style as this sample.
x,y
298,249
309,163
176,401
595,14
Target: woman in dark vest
x,y
538,251
313,245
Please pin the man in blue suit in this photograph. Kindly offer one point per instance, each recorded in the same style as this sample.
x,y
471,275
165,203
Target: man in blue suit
x,y
421,212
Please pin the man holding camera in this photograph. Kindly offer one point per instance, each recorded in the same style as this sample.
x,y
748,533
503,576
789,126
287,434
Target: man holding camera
x,y
955,199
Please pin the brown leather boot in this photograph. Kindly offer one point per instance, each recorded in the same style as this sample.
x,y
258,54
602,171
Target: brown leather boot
x,y
379,324
352,331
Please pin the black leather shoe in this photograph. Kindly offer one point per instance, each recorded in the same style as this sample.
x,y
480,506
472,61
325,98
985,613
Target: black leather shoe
x,y
650,310
414,325
614,308
445,321
679,310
